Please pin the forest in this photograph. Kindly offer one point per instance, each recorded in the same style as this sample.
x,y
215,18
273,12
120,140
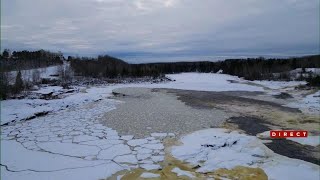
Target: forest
x,y
21,60
250,69
113,68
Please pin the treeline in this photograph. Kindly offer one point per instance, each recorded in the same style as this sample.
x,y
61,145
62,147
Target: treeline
x,y
110,67
251,69
22,60
103,66
261,68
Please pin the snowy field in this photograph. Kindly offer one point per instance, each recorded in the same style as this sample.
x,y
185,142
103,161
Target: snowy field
x,y
63,139
310,103
50,72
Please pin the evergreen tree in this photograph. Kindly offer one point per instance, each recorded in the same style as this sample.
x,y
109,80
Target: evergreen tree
x,y
5,53
4,86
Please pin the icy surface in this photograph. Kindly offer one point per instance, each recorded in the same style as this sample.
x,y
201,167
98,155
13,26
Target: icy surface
x,y
310,103
279,84
72,144
159,134
208,82
149,175
66,141
150,166
11,109
136,142
310,140
213,149
218,149
180,172
21,109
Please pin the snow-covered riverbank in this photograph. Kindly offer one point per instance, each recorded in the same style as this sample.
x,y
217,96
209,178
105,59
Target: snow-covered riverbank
x,y
65,132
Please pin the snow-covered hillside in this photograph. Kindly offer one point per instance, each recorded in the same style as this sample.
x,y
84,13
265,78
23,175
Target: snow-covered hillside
x,y
51,72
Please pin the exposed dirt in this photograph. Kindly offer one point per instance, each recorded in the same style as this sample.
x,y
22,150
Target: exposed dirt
x,y
257,116
295,150
160,109
274,114
251,125
254,126
205,99
239,172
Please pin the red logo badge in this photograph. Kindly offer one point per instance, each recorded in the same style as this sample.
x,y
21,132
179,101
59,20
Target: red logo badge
x,y
288,134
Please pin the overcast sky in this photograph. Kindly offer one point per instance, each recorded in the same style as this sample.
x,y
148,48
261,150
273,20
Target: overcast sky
x,y
162,30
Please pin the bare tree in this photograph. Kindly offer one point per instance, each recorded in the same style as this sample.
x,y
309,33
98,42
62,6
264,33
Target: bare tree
x,y
36,76
65,74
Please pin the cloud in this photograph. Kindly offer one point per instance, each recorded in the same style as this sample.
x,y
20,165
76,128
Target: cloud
x,y
150,5
168,27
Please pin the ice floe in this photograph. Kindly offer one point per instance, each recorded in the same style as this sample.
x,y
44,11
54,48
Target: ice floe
x,y
213,149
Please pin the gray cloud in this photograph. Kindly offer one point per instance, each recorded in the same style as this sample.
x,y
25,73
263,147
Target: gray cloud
x,y
165,28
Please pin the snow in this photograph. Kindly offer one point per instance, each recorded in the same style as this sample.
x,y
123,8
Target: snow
x,y
85,173
310,140
143,156
114,151
157,158
21,109
127,138
217,148
180,172
126,159
150,166
276,85
47,73
17,158
153,146
49,89
213,149
220,71
136,142
11,109
69,149
297,73
207,82
149,175
159,134
285,168
309,104
102,142
143,150
70,143
84,138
